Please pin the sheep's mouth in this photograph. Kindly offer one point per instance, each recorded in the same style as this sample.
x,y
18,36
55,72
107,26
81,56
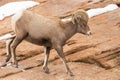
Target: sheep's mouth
x,y
89,33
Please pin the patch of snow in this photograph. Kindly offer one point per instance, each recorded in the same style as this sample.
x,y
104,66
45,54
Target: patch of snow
x,y
66,19
13,7
5,36
94,12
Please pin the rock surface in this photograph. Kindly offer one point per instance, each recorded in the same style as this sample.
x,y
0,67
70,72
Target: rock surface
x,y
95,57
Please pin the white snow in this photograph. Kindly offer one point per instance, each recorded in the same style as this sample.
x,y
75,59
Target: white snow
x,y
5,36
66,19
13,7
94,12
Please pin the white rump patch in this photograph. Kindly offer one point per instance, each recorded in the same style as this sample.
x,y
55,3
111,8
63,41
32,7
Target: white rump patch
x,y
13,7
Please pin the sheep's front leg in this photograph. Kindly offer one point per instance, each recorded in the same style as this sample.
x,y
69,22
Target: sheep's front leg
x,y
59,50
47,52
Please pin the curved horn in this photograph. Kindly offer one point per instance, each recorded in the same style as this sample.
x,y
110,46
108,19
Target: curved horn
x,y
81,13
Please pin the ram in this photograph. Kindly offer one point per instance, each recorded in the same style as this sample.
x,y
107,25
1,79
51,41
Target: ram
x,y
50,32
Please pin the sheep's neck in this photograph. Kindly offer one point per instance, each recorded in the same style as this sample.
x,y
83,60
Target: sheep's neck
x,y
69,29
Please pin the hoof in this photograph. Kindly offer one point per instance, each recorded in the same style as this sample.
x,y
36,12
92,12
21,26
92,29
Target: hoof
x,y
70,74
3,65
46,70
15,65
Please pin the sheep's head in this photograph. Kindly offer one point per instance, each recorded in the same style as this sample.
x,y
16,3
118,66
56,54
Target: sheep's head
x,y
80,19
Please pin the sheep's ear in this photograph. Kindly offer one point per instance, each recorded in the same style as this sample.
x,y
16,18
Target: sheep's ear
x,y
73,19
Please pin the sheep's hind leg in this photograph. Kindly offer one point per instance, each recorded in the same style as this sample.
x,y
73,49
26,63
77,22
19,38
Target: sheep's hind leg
x,y
47,52
14,44
59,50
8,43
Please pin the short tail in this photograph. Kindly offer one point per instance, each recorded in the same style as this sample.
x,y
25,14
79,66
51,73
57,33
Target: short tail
x,y
7,36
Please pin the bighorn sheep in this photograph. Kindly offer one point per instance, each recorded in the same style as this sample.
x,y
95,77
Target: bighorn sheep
x,y
48,32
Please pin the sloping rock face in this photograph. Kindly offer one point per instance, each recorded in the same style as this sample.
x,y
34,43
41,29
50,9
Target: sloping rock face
x,y
95,57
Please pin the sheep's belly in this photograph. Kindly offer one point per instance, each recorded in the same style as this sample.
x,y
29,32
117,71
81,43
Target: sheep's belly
x,y
41,41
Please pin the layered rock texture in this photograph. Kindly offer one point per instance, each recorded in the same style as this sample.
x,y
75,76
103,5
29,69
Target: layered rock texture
x,y
95,57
